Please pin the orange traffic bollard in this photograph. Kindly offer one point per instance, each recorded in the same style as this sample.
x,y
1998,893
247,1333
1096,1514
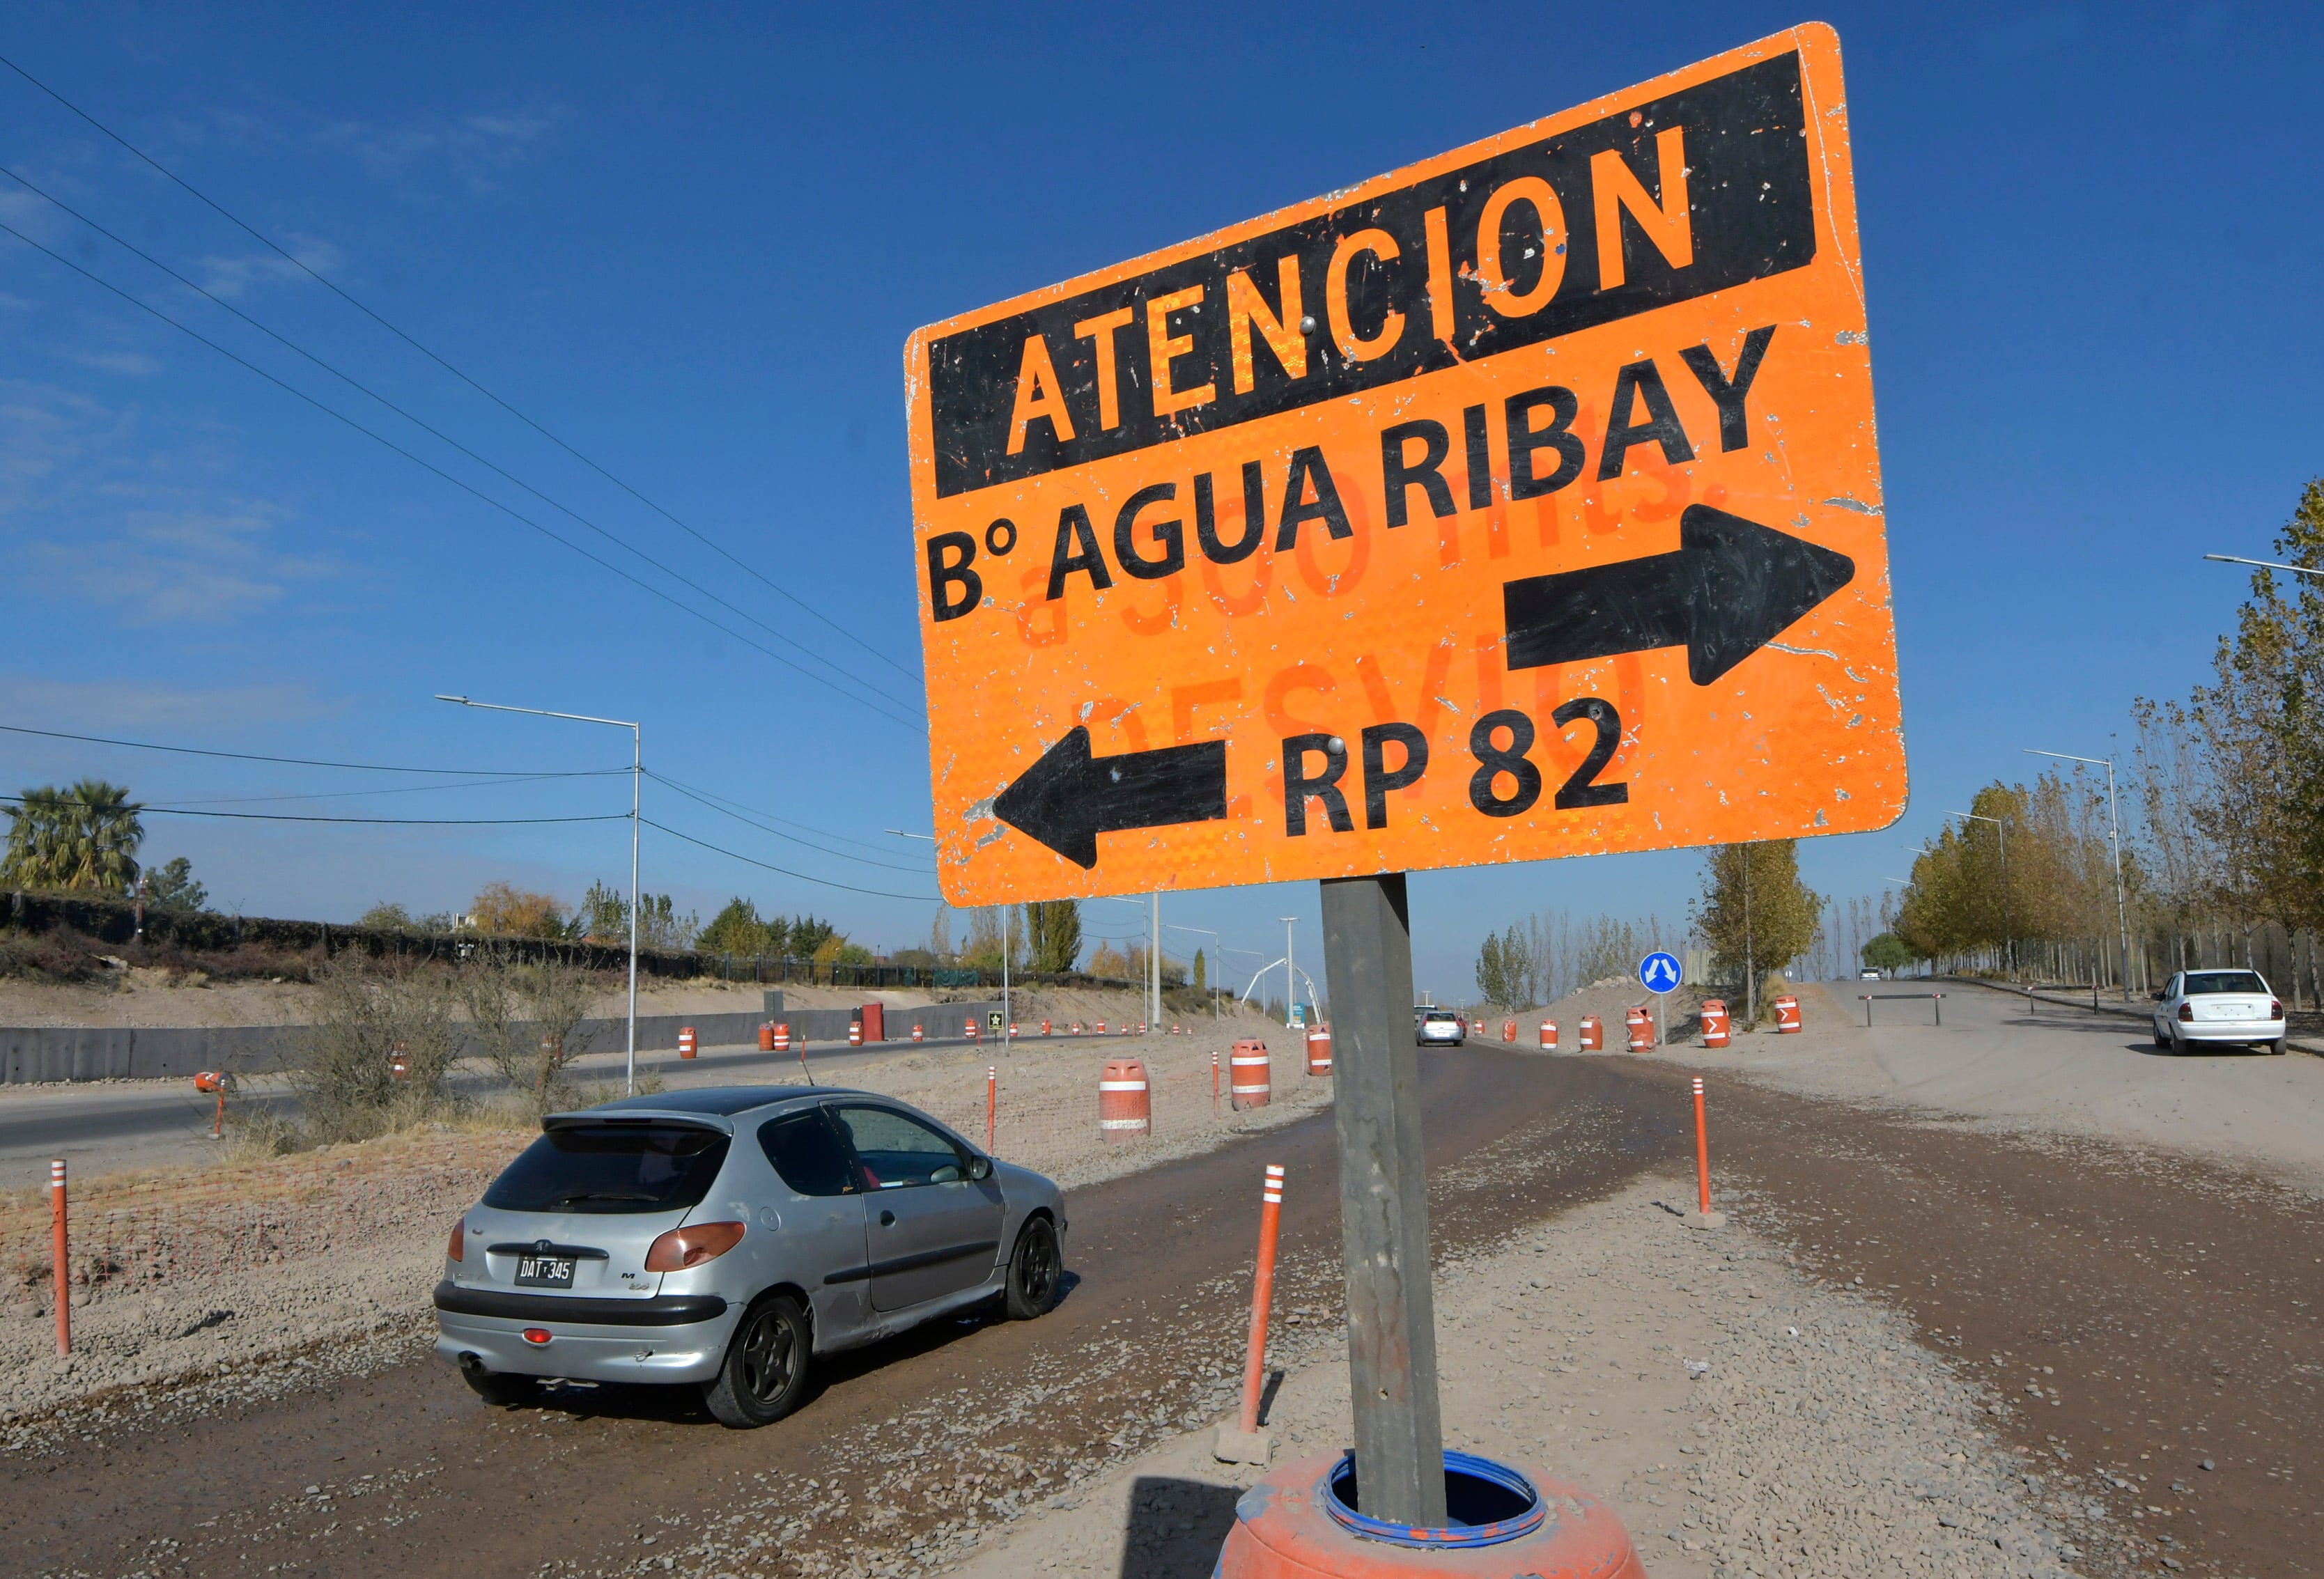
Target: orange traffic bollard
x,y
1714,1023
1262,1294
59,1244
685,1041
992,1102
1215,1084
767,1037
1248,1075
1549,1036
1702,1154
1319,1051
1509,1030
1125,1101
1593,1035
212,1080
1642,1031
1787,1015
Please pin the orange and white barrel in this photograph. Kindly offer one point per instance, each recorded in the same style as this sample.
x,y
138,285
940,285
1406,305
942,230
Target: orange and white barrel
x,y
1549,1036
1319,1051
919,1032
782,1036
1045,1027
1249,1077
1176,1031
1714,1023
1787,1015
1101,1027
1593,1034
1125,1101
856,1033
1012,1028
1141,1027
1509,1030
767,1037
209,1080
1642,1031
685,1041
971,1027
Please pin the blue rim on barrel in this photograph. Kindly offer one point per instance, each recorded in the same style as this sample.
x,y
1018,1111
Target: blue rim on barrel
x,y
1487,1503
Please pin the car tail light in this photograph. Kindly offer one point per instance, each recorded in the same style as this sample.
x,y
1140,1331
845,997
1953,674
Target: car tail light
x,y
692,1245
537,1336
2186,1013
458,1249
2275,1009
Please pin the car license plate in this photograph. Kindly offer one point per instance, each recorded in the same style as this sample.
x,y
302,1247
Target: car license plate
x,y
544,1272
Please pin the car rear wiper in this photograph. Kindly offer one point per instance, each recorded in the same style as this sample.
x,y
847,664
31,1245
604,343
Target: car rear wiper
x,y
581,1195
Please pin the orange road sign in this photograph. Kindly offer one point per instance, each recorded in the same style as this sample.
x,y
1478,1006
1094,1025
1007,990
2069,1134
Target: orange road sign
x,y
1524,502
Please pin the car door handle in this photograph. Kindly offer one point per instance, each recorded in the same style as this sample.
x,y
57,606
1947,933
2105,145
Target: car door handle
x,y
887,1219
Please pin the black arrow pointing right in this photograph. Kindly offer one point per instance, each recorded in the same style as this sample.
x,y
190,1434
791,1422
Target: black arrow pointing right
x,y
1732,587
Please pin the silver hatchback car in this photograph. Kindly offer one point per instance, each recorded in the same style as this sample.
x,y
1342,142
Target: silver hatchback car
x,y
722,1236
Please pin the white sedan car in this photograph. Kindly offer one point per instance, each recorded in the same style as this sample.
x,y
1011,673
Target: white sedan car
x,y
2217,1005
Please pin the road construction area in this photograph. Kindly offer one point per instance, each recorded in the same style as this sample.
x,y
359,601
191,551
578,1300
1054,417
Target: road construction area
x,y
2020,1296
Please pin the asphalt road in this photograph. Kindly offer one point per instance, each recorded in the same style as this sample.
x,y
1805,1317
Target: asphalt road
x,y
156,1123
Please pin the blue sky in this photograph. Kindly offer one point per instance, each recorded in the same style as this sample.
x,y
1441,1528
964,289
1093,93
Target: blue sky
x,y
691,243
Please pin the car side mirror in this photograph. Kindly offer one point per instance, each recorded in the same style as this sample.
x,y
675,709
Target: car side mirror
x,y
980,1169
2157,994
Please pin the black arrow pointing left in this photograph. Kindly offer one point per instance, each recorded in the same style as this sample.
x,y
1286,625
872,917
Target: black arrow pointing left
x,y
1067,798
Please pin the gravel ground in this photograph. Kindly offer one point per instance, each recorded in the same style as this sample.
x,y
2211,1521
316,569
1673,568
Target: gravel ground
x,y
373,1287
1739,1417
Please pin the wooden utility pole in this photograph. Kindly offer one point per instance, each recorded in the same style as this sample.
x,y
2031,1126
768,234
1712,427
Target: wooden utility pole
x,y
1383,1200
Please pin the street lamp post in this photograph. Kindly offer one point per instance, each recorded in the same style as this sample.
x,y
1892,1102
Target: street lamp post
x,y
637,774
1290,973
2263,564
2008,932
2114,836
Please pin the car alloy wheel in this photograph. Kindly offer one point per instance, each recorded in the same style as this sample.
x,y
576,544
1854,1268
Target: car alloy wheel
x,y
1034,1269
764,1375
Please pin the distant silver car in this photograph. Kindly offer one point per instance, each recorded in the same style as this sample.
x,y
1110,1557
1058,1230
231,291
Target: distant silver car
x,y
722,1236
2217,1005
1439,1028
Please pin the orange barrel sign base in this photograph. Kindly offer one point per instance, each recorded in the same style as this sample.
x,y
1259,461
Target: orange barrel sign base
x,y
1549,1036
1642,1031
1505,1525
1125,1100
1787,1015
1249,1076
1593,1034
1714,1023
685,1041
767,1037
1319,1051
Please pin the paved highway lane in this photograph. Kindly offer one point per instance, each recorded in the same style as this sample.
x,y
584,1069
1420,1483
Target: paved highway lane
x,y
153,1123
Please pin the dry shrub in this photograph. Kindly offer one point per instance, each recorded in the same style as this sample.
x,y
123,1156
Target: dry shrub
x,y
365,1014
528,1017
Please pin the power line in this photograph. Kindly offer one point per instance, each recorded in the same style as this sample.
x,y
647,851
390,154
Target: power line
x,y
388,821
778,833
302,761
406,789
772,817
786,871
465,486
432,431
268,242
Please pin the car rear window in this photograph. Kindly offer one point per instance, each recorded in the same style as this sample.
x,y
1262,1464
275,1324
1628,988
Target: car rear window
x,y
2199,982
611,1168
1441,1017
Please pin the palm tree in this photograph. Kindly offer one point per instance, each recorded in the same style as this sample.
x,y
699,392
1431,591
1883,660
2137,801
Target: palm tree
x,y
86,836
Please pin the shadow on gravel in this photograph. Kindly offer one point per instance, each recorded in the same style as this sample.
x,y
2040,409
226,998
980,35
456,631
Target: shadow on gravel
x,y
1175,1528
681,1403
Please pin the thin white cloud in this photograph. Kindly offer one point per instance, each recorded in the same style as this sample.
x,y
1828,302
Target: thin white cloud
x,y
135,364
95,510
477,150
83,706
230,276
